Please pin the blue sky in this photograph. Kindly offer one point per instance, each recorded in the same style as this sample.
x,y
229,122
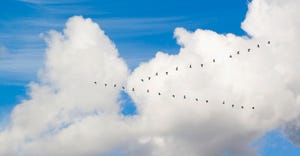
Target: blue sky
x,y
138,28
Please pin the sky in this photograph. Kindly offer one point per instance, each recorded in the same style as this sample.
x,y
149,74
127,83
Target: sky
x,y
146,36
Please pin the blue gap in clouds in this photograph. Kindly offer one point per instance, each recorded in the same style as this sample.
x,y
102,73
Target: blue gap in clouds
x,y
274,143
128,107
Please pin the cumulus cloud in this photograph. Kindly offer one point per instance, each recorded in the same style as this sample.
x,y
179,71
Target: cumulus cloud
x,y
69,115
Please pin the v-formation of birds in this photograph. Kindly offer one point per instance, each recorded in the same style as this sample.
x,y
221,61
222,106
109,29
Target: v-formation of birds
x,y
176,69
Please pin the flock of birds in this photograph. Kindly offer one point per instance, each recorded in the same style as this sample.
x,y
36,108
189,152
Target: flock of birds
x,y
176,69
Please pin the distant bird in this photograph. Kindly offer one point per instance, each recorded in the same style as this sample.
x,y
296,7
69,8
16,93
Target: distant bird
x,y
238,52
142,80
149,78
123,87
230,56
196,99
242,107
269,42
176,68
173,96
214,60
159,93
257,45
115,85
184,97
95,82
190,66
223,102
166,73
133,89
201,65
105,84
156,74
232,105
206,101
147,90
252,107
249,50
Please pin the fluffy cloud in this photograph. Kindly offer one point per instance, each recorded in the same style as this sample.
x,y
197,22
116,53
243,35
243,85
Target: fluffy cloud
x,y
69,115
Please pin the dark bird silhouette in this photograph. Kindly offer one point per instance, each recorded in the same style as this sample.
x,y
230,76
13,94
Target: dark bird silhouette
x,y
252,107
156,74
176,68
249,50
232,105
223,102
133,89
95,82
196,99
230,56
214,60
190,66
206,101
173,96
149,78
269,42
147,90
123,87
142,80
115,85
238,52
201,65
184,97
159,93
257,45
242,107
105,84
166,73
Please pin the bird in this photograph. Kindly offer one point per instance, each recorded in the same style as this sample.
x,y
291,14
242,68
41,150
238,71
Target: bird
x,y
230,56
269,42
249,50
115,85
214,60
257,45
105,84
184,97
166,73
149,78
232,105
133,89
223,102
196,99
242,107
238,52
190,66
142,80
173,96
252,107
123,87
176,68
156,73
95,82
147,90
159,93
206,101
201,65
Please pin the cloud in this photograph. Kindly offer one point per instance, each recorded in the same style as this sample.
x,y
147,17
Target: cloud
x,y
3,51
68,114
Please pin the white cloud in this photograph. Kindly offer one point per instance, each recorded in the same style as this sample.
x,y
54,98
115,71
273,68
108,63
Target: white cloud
x,y
69,115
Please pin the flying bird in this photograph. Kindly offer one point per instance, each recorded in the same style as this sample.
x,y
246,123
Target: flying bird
x,y
149,78
142,80
269,42
249,50
176,68
159,93
242,107
173,96
147,90
156,74
223,102
166,73
232,105
201,65
95,82
206,101
238,52
133,89
123,87
184,97
230,56
257,45
214,60
115,85
190,66
196,99
105,84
